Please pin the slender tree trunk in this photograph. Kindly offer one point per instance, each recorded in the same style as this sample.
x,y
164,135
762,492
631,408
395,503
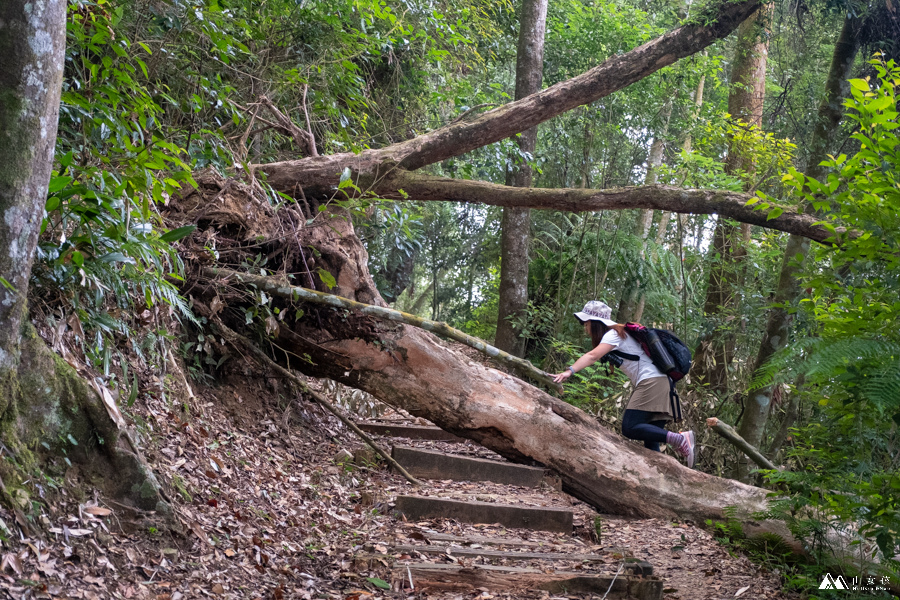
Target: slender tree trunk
x,y
633,296
778,325
419,302
639,309
685,148
745,103
516,223
790,417
586,154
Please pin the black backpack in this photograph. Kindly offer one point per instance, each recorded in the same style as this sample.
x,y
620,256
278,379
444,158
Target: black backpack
x,y
668,353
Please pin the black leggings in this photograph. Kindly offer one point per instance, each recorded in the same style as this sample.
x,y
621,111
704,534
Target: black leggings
x,y
636,425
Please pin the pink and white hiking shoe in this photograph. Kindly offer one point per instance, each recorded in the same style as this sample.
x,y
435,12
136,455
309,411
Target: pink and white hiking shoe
x,y
687,448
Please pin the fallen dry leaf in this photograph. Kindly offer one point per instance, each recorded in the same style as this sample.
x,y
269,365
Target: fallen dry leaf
x,y
97,511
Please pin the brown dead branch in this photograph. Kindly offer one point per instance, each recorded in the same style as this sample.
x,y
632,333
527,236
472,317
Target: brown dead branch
x,y
303,139
727,431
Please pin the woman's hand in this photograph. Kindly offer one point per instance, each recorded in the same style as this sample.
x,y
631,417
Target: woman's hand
x,y
561,377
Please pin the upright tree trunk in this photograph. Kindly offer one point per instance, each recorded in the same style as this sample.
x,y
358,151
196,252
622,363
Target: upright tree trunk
x,y
685,148
778,325
42,398
516,223
631,303
32,44
745,104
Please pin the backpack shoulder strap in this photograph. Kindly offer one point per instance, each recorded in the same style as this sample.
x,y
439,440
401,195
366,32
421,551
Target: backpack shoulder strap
x,y
674,401
635,328
625,355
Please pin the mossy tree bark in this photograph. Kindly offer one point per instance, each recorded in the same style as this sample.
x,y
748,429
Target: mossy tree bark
x,y
32,44
43,400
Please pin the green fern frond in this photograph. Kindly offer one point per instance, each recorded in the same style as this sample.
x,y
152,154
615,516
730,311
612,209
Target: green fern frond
x,y
784,365
833,356
869,369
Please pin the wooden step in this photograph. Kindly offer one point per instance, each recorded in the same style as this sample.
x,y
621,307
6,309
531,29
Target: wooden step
x,y
429,464
540,518
447,577
500,554
458,540
413,432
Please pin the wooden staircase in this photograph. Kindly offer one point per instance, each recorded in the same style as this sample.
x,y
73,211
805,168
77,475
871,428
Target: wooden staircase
x,y
531,549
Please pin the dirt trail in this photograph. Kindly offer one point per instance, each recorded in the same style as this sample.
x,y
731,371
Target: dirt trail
x,y
267,514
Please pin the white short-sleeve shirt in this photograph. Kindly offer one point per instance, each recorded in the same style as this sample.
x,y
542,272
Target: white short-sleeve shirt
x,y
639,370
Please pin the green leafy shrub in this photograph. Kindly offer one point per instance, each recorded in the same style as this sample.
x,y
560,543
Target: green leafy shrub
x,y
845,476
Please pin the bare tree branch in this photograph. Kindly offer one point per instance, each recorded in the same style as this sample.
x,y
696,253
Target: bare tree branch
x,y
403,185
321,173
727,431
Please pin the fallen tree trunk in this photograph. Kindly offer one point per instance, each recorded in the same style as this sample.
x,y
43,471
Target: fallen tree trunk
x,y
413,370
409,369
429,188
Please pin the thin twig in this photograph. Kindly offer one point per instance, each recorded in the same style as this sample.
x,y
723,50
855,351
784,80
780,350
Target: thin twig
x,y
243,144
311,139
474,108
616,576
235,338
300,137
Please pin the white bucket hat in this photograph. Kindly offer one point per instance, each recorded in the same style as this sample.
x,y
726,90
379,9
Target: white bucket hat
x,y
596,311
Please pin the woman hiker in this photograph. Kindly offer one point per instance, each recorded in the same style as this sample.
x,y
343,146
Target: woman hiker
x,y
648,408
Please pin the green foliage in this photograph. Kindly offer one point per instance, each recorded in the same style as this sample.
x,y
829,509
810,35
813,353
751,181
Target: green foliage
x,y
483,321
457,247
769,156
392,235
597,389
577,258
102,244
153,92
845,453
